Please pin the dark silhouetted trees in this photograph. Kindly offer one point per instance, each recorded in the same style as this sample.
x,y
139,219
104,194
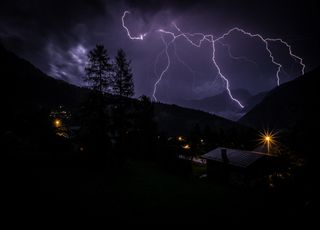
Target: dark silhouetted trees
x,y
145,127
122,84
95,123
99,70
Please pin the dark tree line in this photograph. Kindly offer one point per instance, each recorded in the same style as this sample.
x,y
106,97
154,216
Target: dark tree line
x,y
122,83
103,76
114,126
117,126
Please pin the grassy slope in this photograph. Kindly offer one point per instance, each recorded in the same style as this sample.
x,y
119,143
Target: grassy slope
x,y
142,193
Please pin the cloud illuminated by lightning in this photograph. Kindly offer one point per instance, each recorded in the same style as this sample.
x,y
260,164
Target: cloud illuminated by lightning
x,y
193,72
209,38
243,58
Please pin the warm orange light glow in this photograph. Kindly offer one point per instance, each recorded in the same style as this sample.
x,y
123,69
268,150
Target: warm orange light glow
x,y
267,138
186,146
180,138
57,123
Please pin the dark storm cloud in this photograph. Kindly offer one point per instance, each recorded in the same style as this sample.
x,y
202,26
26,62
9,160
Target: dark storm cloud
x,y
42,20
35,29
56,35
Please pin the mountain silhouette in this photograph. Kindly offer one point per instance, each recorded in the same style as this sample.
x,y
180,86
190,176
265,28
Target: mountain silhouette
x,y
25,88
251,102
287,104
222,105
292,109
23,84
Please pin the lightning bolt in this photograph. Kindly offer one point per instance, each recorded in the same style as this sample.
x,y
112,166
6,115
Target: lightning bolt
x,y
140,37
163,71
290,52
221,75
210,38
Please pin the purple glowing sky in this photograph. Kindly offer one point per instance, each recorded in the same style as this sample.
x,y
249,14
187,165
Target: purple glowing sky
x,y
56,35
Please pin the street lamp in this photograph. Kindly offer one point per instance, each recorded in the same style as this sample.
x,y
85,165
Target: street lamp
x,y
267,138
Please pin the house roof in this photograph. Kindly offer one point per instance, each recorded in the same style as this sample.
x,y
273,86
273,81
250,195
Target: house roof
x,y
236,157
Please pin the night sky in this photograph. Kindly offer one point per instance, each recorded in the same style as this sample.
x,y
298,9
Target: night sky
x,y
56,35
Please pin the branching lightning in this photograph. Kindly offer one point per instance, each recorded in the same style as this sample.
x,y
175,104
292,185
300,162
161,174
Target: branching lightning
x,y
213,42
164,70
290,52
140,37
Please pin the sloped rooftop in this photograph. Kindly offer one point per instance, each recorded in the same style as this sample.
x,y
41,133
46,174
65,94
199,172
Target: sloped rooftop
x,y
236,157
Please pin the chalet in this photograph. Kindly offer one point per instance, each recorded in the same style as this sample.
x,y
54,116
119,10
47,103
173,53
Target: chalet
x,y
239,167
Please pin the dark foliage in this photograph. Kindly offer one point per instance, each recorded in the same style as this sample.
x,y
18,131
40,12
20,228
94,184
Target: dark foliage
x,y
99,70
122,84
93,134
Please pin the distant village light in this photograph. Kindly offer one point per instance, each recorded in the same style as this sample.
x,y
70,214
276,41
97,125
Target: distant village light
x,y
57,123
186,146
180,138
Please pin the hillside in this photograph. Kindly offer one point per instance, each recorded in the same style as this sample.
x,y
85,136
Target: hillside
x,y
223,106
175,120
218,103
22,84
292,108
26,88
287,104
253,101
